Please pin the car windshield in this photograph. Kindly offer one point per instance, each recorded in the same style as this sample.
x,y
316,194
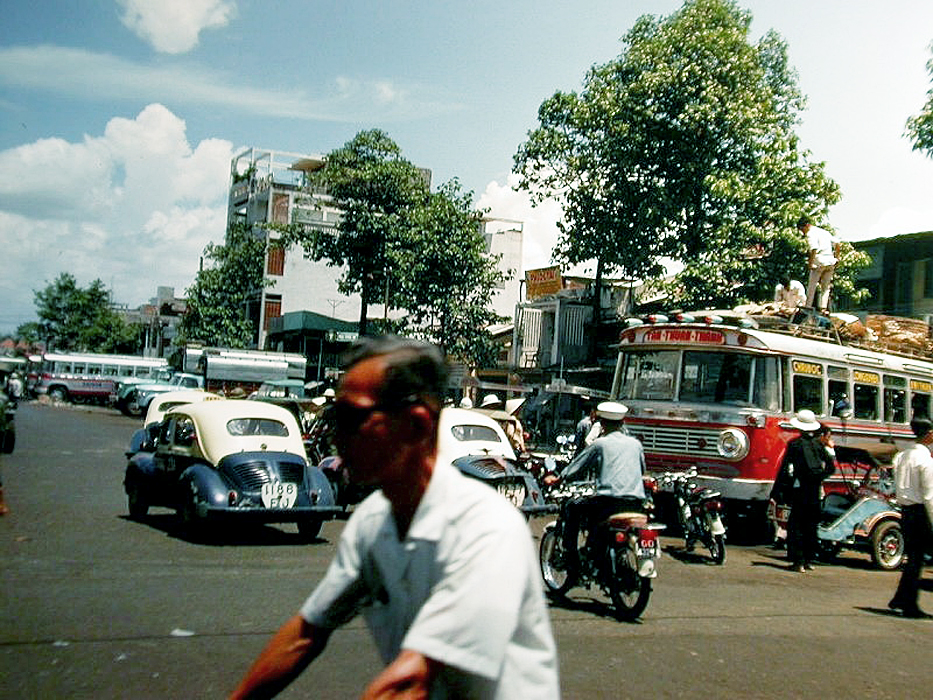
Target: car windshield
x,y
257,426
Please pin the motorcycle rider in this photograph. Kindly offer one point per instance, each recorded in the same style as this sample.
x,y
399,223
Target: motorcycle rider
x,y
616,461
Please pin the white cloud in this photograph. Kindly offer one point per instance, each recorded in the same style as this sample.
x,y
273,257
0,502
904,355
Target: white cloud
x,y
95,76
134,207
539,223
173,26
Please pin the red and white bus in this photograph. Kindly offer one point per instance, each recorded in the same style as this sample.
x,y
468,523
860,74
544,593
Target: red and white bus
x,y
719,396
90,377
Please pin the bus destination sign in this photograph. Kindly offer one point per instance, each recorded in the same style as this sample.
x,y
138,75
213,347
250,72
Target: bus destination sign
x,y
684,335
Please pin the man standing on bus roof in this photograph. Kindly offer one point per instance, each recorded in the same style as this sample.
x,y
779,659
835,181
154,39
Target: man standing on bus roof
x,y
824,247
913,479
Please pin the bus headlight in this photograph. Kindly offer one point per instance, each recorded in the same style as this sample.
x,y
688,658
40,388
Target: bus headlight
x,y
732,443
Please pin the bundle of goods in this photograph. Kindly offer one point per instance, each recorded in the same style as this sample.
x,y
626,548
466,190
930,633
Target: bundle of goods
x,y
899,333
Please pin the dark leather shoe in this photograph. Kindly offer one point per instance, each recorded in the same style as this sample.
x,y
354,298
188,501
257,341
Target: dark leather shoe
x,y
895,604
799,568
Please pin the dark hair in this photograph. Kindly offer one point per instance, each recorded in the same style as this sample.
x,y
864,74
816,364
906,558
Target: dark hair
x,y
823,429
803,221
921,425
414,369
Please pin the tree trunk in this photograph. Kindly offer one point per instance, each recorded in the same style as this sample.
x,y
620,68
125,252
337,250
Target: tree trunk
x,y
597,308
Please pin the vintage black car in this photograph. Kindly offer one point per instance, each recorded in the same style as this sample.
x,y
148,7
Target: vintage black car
x,y
234,461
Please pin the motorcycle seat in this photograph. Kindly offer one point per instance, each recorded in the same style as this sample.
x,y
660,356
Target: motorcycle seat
x,y
628,519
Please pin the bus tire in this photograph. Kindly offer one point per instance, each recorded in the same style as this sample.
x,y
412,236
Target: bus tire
x,y
58,394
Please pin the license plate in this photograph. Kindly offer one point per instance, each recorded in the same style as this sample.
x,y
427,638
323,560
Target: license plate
x,y
279,495
647,548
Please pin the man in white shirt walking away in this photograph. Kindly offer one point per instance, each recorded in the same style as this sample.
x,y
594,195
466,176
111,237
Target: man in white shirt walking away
x,y
913,477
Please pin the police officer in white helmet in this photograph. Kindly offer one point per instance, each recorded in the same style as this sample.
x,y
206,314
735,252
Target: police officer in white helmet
x,y
616,462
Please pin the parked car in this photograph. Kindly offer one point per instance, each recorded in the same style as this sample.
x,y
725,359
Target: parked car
x,y
477,445
7,423
230,460
134,399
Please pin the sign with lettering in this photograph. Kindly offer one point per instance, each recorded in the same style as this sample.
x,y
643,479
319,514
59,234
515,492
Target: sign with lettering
x,y
542,282
866,377
811,368
918,385
700,336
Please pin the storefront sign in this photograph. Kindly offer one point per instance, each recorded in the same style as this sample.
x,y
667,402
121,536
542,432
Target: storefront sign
x,y
684,335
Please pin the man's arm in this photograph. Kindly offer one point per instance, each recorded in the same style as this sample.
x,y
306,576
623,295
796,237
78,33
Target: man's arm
x,y
409,676
286,655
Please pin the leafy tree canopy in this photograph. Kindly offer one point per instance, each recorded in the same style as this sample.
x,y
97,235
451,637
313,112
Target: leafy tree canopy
x,y
683,148
221,290
374,187
404,246
81,319
920,126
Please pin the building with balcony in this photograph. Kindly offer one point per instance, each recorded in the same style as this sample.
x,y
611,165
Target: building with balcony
x,y
274,187
900,277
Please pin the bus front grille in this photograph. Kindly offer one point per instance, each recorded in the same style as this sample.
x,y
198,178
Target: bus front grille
x,y
699,442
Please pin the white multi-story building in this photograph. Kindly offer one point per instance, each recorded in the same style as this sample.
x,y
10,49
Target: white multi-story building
x,y
272,187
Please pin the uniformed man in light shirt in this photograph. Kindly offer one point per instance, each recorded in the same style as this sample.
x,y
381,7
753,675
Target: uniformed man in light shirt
x,y
441,566
913,478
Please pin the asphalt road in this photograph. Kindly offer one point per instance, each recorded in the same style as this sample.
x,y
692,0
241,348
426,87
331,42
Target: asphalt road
x,y
97,606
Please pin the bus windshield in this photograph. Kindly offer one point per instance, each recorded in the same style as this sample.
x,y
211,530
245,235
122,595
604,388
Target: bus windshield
x,y
738,379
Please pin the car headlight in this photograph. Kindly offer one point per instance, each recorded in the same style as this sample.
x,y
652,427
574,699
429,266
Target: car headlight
x,y
732,443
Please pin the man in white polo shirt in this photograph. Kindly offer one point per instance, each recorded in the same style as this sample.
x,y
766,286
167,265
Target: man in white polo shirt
x,y
441,566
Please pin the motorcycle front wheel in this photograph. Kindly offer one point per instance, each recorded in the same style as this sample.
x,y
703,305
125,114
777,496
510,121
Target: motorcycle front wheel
x,y
717,549
557,579
629,591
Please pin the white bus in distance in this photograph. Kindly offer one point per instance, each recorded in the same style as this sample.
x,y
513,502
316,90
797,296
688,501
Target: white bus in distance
x,y
91,377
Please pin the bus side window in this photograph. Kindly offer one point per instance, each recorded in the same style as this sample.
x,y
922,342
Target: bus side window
x,y
919,404
808,393
895,405
839,397
866,402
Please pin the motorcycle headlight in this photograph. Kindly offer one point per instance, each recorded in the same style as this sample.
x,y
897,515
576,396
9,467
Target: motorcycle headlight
x,y
732,443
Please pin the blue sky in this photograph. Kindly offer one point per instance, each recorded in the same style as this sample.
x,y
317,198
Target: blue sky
x,y
119,117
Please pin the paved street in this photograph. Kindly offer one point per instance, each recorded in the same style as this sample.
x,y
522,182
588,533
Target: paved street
x,y
97,606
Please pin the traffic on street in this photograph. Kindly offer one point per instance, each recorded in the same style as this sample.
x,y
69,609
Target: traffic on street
x,y
98,604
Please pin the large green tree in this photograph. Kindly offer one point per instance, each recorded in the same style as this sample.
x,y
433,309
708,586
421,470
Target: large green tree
x,y
920,126
401,245
375,188
446,278
81,319
683,147
231,278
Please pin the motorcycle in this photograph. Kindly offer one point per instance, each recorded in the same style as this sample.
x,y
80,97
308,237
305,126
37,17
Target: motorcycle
x,y
619,556
699,513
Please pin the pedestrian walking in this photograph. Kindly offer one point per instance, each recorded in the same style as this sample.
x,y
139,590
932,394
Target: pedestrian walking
x,y
913,479
419,557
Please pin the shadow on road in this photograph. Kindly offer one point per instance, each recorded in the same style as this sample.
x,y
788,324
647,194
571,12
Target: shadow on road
x,y
226,535
582,602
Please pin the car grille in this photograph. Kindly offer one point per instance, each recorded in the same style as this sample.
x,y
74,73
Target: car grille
x,y
291,472
488,468
699,442
251,475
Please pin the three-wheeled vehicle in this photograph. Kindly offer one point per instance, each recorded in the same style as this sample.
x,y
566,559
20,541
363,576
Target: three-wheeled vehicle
x,y
863,517
236,461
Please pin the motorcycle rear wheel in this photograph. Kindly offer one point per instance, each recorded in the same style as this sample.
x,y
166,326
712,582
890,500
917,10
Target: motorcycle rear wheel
x,y
629,591
717,549
557,579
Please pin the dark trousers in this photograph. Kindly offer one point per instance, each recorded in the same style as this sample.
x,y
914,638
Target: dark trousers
x,y
587,513
802,542
916,528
